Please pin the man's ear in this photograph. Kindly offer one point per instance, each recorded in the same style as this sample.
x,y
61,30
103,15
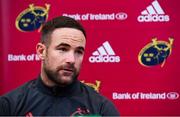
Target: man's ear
x,y
41,50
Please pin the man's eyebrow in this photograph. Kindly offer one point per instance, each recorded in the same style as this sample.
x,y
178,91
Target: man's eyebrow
x,y
63,44
67,45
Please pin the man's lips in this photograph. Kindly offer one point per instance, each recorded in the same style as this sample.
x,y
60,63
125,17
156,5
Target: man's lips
x,y
67,72
71,70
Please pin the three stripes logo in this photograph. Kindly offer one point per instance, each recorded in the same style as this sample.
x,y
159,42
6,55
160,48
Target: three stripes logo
x,y
104,54
153,13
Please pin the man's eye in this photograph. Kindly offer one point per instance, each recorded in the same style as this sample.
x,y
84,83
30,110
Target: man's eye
x,y
79,52
62,49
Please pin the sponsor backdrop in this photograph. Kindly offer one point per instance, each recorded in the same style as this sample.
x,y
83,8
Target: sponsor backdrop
x,y
132,55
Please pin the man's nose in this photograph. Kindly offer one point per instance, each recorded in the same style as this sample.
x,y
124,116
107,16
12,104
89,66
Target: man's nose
x,y
70,58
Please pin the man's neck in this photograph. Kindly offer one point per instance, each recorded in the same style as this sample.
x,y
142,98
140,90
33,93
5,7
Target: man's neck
x,y
46,80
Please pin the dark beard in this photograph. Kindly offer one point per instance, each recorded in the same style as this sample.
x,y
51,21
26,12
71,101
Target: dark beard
x,y
56,78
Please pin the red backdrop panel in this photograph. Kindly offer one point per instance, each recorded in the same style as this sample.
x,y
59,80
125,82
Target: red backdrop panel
x,y
117,31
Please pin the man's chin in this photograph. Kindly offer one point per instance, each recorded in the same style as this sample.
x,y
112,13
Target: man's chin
x,y
65,80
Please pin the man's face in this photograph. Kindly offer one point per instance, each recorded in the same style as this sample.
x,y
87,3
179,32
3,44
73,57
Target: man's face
x,y
64,55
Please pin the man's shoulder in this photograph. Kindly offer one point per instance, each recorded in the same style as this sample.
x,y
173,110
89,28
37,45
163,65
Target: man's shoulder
x,y
10,101
104,105
19,91
94,94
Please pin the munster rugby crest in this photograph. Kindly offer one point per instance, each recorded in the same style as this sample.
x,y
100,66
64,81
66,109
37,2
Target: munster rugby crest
x,y
95,86
155,53
32,18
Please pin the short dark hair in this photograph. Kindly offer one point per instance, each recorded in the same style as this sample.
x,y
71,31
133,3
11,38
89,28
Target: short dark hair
x,y
59,22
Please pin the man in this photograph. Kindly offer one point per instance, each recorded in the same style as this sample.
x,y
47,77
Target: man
x,y
57,91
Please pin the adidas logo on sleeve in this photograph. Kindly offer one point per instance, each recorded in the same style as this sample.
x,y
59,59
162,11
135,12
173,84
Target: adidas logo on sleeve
x,y
104,54
153,13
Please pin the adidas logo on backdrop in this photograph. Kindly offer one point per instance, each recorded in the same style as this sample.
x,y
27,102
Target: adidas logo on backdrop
x,y
153,13
104,54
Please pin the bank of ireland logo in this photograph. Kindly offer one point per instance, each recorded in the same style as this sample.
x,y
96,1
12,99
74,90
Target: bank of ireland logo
x,y
104,53
32,18
155,53
172,95
153,13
